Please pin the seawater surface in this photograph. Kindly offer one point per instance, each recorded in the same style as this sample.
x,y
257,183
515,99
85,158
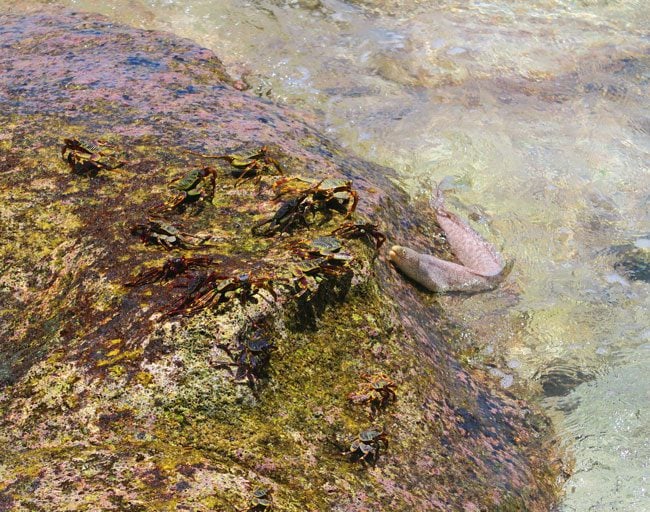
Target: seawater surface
x,y
534,119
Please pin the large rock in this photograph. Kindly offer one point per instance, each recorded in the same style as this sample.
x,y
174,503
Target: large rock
x,y
105,404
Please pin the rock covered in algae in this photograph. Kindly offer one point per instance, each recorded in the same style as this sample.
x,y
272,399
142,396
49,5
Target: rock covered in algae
x,y
109,402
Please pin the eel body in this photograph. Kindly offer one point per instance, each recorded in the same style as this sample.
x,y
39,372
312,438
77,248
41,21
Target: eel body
x,y
481,268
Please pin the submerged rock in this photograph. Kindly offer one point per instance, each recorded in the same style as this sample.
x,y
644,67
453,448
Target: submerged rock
x,y
134,380
633,260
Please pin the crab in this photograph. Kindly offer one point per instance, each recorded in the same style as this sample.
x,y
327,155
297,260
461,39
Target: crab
x,y
190,188
325,247
321,255
288,217
328,193
87,158
261,501
249,166
159,232
172,268
213,289
321,197
320,246
320,259
366,230
366,446
377,391
250,358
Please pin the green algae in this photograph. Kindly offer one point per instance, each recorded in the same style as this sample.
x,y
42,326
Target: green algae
x,y
300,409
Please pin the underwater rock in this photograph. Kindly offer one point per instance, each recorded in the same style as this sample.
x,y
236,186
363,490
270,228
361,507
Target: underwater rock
x,y
156,357
633,260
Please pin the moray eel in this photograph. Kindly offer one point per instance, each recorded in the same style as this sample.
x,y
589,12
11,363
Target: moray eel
x,y
482,267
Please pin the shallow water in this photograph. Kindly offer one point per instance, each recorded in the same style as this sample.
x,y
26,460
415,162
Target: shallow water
x,y
533,117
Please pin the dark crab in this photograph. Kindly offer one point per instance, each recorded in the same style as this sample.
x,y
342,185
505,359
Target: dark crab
x,y
326,194
366,231
172,268
190,188
260,502
320,260
87,158
159,232
250,358
366,446
290,215
249,166
323,197
322,255
377,391
213,289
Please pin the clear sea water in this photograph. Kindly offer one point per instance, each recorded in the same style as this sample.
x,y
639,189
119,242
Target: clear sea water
x,y
534,116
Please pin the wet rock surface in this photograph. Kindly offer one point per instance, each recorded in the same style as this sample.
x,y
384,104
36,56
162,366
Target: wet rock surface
x,y
109,403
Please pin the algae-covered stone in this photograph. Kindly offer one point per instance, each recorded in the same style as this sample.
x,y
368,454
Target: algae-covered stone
x,y
194,389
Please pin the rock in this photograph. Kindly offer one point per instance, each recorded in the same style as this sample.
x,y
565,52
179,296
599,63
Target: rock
x,y
633,260
108,402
